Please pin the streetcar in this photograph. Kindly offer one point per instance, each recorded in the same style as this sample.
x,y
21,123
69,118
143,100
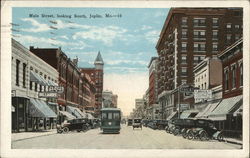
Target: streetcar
x,y
110,120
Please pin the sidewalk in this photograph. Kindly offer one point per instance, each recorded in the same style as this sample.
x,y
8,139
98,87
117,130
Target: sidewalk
x,y
28,135
233,141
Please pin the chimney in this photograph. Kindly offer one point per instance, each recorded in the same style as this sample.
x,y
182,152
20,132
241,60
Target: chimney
x,y
31,47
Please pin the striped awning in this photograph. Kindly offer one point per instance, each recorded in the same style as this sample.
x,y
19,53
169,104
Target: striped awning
x,y
188,113
38,108
207,110
67,114
172,115
76,112
34,77
225,107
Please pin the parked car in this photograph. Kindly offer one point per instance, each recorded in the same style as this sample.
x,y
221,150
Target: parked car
x,y
74,124
152,124
137,123
130,122
145,122
161,124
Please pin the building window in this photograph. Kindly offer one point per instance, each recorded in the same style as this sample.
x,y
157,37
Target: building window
x,y
198,59
183,59
184,71
229,37
215,21
30,85
17,72
35,87
233,76
199,34
226,80
199,47
237,26
199,22
215,35
205,85
24,75
184,33
229,26
184,21
241,74
237,37
215,47
184,46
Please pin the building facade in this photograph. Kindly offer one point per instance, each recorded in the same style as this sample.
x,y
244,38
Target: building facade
x,y
96,75
189,35
31,77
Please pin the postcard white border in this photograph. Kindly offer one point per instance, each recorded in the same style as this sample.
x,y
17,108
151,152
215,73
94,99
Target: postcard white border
x,y
6,19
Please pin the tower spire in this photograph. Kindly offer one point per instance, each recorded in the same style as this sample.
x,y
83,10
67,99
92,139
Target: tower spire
x,y
99,61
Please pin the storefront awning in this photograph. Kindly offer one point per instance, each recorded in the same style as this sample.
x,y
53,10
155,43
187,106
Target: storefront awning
x,y
188,113
239,111
51,83
76,112
68,115
49,111
172,115
225,107
89,116
207,110
35,109
36,78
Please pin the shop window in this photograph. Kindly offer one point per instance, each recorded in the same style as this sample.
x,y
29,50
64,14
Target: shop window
x,y
17,72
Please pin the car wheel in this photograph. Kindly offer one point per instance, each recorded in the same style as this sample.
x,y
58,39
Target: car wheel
x,y
84,128
65,130
203,135
190,135
220,137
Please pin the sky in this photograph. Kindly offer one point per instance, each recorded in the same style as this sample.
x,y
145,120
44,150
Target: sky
x,y
126,40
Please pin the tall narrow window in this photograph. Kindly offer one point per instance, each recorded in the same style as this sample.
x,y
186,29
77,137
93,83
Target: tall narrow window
x,y
24,75
233,77
226,80
241,74
30,85
215,22
17,72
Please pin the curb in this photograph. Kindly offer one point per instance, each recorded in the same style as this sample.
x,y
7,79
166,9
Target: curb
x,y
33,137
232,142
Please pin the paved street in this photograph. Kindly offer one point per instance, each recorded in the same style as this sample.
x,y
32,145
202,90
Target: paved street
x,y
127,139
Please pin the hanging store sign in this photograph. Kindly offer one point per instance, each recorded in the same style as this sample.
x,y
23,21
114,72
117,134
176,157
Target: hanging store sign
x,y
184,107
55,89
47,95
203,94
187,89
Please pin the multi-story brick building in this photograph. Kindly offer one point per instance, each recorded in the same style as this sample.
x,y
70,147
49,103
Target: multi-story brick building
x,y
228,114
153,85
69,78
188,36
96,75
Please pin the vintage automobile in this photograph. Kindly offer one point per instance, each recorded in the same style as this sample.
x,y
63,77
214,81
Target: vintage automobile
x,y
130,122
161,124
145,122
137,123
204,130
80,124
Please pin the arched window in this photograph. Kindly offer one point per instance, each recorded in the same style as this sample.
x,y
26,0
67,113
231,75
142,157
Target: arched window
x,y
234,77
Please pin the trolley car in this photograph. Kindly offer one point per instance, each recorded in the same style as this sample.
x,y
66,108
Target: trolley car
x,y
110,120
